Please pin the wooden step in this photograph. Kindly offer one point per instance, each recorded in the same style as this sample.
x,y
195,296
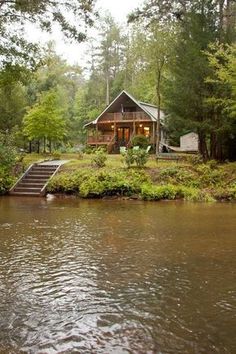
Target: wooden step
x,y
34,181
31,189
48,170
30,185
28,194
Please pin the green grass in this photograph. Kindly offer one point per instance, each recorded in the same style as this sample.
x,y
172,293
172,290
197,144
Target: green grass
x,y
157,180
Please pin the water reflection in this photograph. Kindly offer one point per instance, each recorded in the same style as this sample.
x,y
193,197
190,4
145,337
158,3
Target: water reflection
x,y
116,277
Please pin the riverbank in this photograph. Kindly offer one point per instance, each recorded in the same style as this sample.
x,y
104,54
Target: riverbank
x,y
163,180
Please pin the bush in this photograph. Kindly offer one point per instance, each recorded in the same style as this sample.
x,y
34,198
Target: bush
x,y
140,157
6,181
67,182
99,158
89,149
141,141
128,157
150,192
194,159
98,184
8,152
56,155
209,176
177,175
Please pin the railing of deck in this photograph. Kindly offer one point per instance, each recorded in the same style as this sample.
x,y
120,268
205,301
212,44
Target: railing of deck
x,y
100,139
126,116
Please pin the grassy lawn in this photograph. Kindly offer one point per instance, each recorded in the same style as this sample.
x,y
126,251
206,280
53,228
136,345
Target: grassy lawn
x,y
186,180
77,161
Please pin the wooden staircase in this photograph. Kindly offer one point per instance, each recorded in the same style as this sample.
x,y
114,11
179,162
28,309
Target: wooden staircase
x,y
34,181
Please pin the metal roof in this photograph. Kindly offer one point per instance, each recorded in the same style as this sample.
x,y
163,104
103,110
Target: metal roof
x,y
149,109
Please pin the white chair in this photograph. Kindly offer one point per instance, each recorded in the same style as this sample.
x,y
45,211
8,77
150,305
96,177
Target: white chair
x,y
148,149
123,149
135,148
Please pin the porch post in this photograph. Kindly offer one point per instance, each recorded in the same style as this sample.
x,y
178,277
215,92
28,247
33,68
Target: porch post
x,y
96,134
153,135
134,128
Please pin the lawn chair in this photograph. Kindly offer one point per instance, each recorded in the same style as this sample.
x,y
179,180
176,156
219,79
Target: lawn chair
x,y
123,149
135,148
148,149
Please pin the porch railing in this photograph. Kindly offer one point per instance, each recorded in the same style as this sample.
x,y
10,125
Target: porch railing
x,y
106,139
126,116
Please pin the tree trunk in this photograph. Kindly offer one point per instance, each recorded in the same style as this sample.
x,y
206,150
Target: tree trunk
x,y
203,146
158,131
213,146
107,91
44,145
38,146
221,19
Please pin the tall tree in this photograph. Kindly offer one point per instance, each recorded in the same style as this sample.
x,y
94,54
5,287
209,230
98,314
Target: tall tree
x,y
45,120
70,15
12,96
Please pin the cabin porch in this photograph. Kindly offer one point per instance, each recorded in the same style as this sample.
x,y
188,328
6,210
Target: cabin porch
x,y
116,134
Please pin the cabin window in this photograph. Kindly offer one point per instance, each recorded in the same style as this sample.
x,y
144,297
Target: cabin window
x,y
146,131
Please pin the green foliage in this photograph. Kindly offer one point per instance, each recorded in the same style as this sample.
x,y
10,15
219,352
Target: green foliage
x,y
99,158
204,182
209,176
150,192
131,156
176,175
15,15
6,180
170,192
90,183
8,159
141,141
56,155
45,120
7,152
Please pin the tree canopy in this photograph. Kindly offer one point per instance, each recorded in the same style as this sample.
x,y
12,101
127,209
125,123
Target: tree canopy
x,y
72,16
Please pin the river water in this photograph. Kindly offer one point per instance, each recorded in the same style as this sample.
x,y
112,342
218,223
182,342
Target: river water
x,y
92,276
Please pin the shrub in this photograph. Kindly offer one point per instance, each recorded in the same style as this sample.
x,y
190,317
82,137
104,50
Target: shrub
x,y
176,175
209,176
141,141
89,149
150,192
140,157
56,155
6,181
99,158
98,184
7,152
194,159
128,157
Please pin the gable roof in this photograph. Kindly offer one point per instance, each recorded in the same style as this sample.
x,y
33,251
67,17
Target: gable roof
x,y
149,109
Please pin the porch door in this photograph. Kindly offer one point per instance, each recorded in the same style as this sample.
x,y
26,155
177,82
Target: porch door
x,y
123,135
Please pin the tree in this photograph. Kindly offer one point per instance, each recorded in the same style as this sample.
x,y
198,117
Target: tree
x,y
12,97
45,121
222,80
70,15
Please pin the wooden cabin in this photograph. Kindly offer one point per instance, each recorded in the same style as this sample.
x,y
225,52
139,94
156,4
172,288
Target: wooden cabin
x,y
124,118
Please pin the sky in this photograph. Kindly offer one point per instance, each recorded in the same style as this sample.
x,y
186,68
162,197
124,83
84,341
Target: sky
x,y
76,53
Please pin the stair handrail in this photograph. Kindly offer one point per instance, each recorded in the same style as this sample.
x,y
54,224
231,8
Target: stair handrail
x,y
24,174
111,141
42,192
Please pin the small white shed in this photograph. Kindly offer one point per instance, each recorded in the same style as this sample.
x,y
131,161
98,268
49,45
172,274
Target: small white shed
x,y
189,142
